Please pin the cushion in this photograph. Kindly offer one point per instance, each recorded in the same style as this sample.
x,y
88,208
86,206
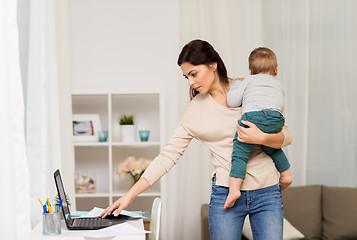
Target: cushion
x,y
289,232
303,208
340,212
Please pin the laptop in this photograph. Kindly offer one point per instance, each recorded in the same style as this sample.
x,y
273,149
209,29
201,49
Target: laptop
x,y
75,223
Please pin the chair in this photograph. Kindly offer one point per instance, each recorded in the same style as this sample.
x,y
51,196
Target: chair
x,y
155,219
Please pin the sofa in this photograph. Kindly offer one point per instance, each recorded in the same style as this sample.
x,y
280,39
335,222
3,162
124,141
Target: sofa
x,y
317,211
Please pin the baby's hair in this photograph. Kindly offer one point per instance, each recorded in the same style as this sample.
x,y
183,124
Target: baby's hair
x,y
262,60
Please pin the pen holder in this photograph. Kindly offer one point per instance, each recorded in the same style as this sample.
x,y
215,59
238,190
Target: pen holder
x,y
51,223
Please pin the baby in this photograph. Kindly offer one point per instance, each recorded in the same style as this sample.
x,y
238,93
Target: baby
x,y
262,99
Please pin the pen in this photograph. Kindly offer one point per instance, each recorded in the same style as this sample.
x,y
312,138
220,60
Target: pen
x,y
43,206
40,202
49,206
60,205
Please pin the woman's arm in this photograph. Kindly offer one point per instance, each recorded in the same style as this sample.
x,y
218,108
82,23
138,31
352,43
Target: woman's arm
x,y
255,136
159,166
120,204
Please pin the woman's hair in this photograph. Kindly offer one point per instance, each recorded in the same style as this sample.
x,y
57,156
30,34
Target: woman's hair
x,y
199,52
262,60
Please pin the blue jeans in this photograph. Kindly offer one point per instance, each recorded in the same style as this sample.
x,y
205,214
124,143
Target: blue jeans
x,y
264,206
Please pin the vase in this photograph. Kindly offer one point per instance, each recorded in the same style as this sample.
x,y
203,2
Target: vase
x,y
144,135
128,133
135,178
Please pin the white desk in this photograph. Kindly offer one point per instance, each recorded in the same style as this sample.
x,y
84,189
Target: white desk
x,y
73,235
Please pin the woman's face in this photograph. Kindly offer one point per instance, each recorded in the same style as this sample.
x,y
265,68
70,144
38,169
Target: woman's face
x,y
200,77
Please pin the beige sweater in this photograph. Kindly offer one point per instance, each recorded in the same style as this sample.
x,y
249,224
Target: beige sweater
x,y
215,125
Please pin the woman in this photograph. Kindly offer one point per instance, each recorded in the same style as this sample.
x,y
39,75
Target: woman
x,y
209,119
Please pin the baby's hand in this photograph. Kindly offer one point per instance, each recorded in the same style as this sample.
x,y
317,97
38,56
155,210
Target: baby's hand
x,y
239,79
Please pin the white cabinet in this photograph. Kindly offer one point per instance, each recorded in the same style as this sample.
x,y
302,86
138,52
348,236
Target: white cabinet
x,y
99,159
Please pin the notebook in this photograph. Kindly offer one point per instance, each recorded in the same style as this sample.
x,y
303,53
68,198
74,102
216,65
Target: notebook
x,y
75,223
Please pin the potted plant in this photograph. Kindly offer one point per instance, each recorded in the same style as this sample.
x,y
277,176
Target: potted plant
x,y
57,202
127,128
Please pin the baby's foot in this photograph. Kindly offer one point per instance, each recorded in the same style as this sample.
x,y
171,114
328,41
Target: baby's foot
x,y
285,182
231,198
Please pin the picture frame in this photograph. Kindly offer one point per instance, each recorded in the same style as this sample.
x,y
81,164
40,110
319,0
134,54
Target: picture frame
x,y
85,182
85,127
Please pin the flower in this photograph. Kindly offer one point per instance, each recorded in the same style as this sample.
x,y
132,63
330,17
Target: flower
x,y
134,167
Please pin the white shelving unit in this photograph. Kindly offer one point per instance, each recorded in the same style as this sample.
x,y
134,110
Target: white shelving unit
x,y
101,158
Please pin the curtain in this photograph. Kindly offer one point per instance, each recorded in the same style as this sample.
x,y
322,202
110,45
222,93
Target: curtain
x,y
14,175
42,109
315,45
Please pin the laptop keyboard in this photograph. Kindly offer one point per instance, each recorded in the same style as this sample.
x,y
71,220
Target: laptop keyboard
x,y
90,222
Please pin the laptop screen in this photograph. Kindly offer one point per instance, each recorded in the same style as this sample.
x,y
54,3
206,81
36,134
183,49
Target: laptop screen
x,y
62,195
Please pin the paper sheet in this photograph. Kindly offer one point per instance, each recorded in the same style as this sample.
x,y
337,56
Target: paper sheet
x,y
131,214
95,212
123,229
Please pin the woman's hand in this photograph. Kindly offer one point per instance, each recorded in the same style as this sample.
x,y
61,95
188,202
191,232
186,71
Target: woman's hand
x,y
118,205
252,134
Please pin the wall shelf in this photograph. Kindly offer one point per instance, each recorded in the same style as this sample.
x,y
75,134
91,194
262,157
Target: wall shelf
x,y
91,195
85,144
99,159
136,144
144,194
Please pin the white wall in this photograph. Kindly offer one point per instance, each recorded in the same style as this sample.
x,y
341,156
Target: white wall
x,y
123,44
